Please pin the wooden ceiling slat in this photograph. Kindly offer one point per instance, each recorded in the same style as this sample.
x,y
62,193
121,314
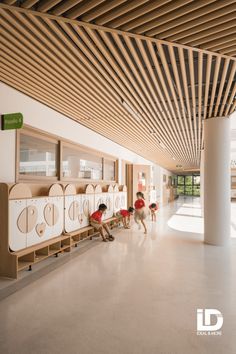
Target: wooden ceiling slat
x,y
98,27
75,84
172,91
101,9
27,4
70,34
167,126
45,96
229,51
9,2
185,84
227,47
46,5
222,43
116,75
180,95
213,90
114,51
222,84
137,74
49,71
85,70
128,6
231,100
170,111
62,7
230,80
177,17
200,100
82,100
196,33
207,36
149,20
80,9
193,94
53,57
233,108
142,70
200,20
207,84
75,61
139,15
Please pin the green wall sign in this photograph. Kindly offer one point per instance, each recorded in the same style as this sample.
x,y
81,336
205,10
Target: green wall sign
x,y
12,121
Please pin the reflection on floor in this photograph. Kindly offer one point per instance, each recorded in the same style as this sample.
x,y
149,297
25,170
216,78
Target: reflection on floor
x,y
188,217
137,295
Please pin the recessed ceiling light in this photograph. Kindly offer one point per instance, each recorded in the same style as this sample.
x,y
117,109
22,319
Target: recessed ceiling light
x,y
162,145
134,114
152,132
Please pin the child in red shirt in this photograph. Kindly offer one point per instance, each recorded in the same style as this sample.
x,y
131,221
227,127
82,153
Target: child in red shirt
x,y
125,215
96,222
140,214
153,209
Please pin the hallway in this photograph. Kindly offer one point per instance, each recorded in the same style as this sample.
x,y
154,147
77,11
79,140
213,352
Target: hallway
x,y
137,295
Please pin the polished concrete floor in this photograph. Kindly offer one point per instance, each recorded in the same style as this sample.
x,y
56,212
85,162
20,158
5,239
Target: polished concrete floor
x,y
137,295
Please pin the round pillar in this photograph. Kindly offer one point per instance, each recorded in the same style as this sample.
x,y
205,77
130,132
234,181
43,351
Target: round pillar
x,y
202,182
217,181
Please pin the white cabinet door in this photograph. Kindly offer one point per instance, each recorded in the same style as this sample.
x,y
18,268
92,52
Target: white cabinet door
x,y
41,232
72,211
58,227
17,238
123,200
116,198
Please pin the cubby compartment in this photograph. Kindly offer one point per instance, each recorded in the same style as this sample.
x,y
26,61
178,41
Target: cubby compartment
x,y
75,239
41,254
83,235
26,260
65,243
54,248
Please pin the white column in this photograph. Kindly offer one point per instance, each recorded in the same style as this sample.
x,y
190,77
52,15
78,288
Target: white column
x,y
217,180
202,182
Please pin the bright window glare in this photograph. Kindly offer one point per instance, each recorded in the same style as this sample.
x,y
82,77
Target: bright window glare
x,y
188,219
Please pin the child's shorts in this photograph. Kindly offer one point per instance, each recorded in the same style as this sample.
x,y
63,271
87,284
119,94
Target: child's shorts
x,y
95,225
139,215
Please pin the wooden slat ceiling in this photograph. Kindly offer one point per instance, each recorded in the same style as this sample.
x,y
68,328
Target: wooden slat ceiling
x,y
147,94
207,24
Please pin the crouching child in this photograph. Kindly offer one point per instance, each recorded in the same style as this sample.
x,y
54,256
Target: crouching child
x,y
99,225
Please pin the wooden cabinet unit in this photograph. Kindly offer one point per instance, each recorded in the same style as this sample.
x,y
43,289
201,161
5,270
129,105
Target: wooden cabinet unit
x,y
35,227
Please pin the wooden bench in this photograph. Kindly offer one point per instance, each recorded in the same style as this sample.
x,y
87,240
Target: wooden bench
x,y
34,254
113,221
27,257
82,234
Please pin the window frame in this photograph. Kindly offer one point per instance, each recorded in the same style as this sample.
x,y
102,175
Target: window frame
x,y
43,137
61,142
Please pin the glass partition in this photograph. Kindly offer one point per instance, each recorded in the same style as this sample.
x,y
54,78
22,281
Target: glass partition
x,y
80,164
38,157
109,170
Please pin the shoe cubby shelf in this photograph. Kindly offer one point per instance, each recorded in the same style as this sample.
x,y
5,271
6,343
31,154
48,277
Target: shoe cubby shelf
x,y
33,228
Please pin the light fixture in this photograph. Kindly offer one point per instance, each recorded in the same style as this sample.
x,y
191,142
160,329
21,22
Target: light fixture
x,y
162,145
133,113
152,132
173,158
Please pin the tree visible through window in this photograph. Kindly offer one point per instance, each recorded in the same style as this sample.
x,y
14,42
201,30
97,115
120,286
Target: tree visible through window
x,y
188,185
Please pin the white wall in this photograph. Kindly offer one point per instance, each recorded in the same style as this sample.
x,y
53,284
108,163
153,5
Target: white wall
x,y
42,117
7,155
